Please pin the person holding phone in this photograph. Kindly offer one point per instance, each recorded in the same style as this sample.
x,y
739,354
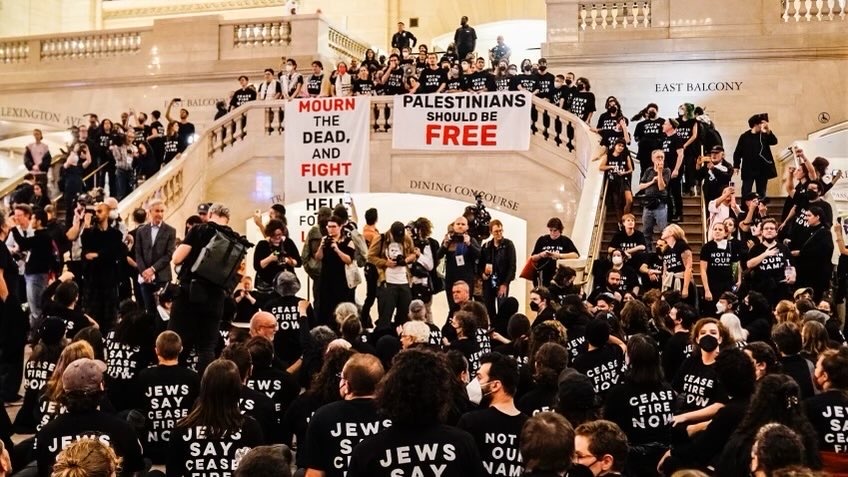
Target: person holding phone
x,y
768,262
813,252
186,129
752,156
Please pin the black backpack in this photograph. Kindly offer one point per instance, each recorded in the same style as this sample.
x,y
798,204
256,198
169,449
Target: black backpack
x,y
219,261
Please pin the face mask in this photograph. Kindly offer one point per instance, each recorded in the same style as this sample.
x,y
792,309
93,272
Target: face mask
x,y
289,68
542,67
652,115
708,343
720,308
527,68
617,260
475,393
502,68
534,306
568,82
812,195
581,86
342,70
486,395
113,215
612,109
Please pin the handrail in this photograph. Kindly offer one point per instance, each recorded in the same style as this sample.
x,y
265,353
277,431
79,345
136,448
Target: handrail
x,y
704,221
597,234
9,185
85,178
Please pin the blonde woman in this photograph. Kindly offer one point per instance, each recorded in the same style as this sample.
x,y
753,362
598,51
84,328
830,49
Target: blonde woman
x,y
87,458
677,263
786,311
50,402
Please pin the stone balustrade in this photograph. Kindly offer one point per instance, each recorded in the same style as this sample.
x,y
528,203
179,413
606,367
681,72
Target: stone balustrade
x,y
14,51
91,46
346,46
261,34
614,15
810,10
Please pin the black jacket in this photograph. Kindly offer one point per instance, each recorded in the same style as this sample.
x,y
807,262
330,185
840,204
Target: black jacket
x,y
502,259
753,155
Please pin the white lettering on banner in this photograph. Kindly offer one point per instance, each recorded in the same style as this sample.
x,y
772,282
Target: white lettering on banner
x,y
497,121
327,148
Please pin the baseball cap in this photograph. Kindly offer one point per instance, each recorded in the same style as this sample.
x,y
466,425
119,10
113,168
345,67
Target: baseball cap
x,y
203,208
84,375
801,291
717,148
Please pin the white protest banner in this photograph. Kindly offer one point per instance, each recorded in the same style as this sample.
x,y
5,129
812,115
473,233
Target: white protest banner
x,y
327,146
497,121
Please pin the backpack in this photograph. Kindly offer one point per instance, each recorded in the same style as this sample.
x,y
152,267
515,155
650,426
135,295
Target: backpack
x,y
708,136
219,261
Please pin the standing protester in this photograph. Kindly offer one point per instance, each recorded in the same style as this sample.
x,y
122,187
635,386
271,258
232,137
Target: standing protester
x,y
291,81
416,395
42,258
498,378
582,102
274,255
186,128
813,254
328,450
392,253
102,249
431,79
37,159
715,173
313,241
155,243
753,155
612,124
465,39
653,186
198,308
688,132
648,134
13,326
719,263
618,169
498,262
769,266
335,253
550,248
243,95
269,89
500,52
403,39
460,252
673,151
315,83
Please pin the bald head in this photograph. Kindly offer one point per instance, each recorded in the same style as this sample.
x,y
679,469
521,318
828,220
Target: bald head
x,y
263,324
361,374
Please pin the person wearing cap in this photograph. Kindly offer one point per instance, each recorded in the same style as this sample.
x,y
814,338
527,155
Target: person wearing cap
x,y
203,211
83,384
752,156
283,305
715,173
673,150
392,253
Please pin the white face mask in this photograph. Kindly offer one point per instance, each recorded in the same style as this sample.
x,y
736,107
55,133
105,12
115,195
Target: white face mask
x,y
113,214
720,307
475,392
289,68
617,260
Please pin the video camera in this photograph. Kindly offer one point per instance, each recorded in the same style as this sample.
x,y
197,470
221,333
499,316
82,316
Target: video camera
x,y
478,219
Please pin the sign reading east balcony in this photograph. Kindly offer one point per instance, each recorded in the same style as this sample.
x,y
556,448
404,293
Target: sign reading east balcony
x,y
717,86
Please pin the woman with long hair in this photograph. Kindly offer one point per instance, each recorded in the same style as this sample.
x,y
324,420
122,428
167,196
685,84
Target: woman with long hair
x,y
49,404
275,254
719,263
129,349
677,264
41,363
214,424
700,393
687,130
172,142
612,125
776,400
815,340
647,426
548,363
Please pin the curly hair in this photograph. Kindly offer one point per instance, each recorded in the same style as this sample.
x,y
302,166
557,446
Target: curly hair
x,y
546,332
635,317
417,389
550,360
87,458
325,383
726,339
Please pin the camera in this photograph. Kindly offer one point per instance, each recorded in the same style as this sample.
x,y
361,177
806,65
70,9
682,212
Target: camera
x,y
457,238
400,260
478,219
327,241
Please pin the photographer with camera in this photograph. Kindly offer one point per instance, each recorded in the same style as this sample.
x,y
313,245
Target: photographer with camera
x,y
275,255
73,170
753,157
392,253
335,252
497,262
460,252
425,278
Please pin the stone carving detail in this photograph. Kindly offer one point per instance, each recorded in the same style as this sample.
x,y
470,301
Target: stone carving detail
x,y
613,15
14,52
174,9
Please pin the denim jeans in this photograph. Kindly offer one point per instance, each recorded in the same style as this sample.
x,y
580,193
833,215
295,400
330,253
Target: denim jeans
x,y
650,218
35,285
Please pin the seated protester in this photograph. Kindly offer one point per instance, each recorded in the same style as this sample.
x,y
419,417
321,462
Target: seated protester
x,y
547,446
602,361
516,342
606,303
524,80
610,286
127,352
826,411
481,320
413,334
37,371
392,76
268,461
719,263
540,302
462,387
215,425
352,332
274,255
82,381
576,399
498,378
464,324
324,390
778,448
562,284
454,81
574,316
629,282
362,84
481,80
550,360
679,347
736,372
642,406
416,395
700,393
50,401
253,403
328,448
284,306
813,251
756,317
418,312
787,339
163,306
86,458
714,173
60,300
650,266
602,447
763,357
165,394
277,384
432,78
768,262
776,400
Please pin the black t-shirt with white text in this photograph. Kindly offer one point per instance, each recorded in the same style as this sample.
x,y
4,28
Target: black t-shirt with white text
x,y
547,266
670,146
496,435
36,374
622,241
828,413
123,363
603,365
429,80
362,86
526,81
242,96
771,267
582,104
720,259
278,385
649,136
287,345
394,83
193,452
698,385
643,412
545,85
166,394
428,451
609,127
335,429
313,84
673,257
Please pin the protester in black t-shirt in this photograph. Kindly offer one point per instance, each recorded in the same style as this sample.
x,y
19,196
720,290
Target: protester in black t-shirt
x,y
197,298
524,80
768,263
170,143
601,446
128,351
786,337
826,411
274,255
392,76
416,394
672,147
186,128
335,429
83,384
243,95
60,301
215,434
550,248
432,79
677,264
700,392
102,250
719,263
582,102
165,394
284,306
497,426
550,360
544,81
602,361
315,82
648,134
813,253
642,405
612,124
715,172
362,85
277,384
38,369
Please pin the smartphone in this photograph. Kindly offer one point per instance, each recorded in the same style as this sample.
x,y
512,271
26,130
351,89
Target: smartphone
x,y
732,184
178,100
789,273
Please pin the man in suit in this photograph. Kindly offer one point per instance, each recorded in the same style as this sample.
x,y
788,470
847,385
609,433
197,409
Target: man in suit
x,y
155,243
